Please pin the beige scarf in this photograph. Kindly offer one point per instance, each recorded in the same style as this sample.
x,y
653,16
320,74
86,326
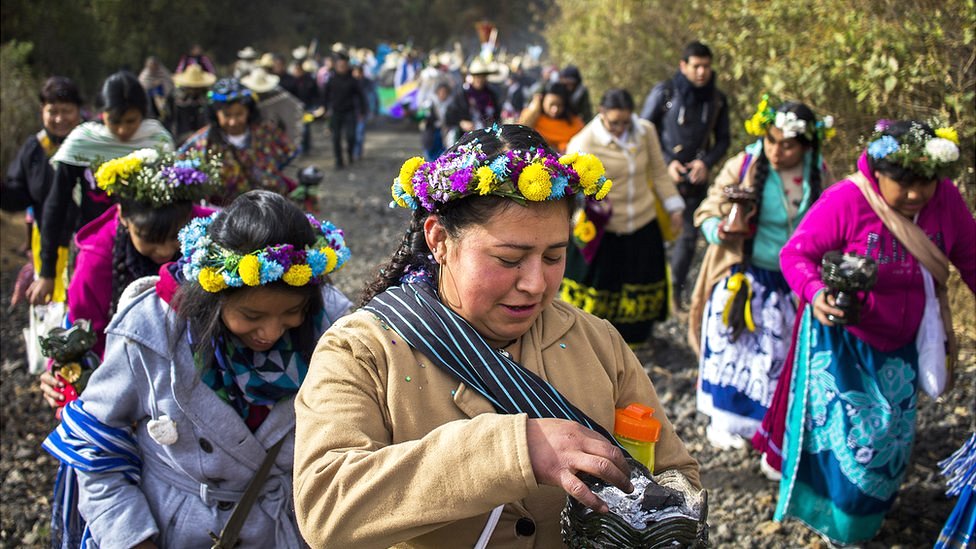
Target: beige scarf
x,y
931,257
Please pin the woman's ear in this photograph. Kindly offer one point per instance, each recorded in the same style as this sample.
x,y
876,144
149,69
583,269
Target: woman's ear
x,y
436,236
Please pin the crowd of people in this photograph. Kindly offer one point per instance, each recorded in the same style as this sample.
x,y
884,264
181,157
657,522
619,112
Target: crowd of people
x,y
546,240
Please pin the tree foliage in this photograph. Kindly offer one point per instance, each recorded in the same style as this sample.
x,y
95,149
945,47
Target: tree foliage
x,y
853,59
19,105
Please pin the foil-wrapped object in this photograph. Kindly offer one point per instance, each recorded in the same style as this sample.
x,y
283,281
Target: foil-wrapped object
x,y
663,511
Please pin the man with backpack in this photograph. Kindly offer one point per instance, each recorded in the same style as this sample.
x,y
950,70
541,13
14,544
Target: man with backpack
x,y
692,120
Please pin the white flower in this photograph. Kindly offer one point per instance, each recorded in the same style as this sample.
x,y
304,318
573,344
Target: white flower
x,y
828,121
147,155
790,124
942,150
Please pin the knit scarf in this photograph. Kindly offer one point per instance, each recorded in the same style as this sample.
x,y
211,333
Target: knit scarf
x,y
93,140
243,377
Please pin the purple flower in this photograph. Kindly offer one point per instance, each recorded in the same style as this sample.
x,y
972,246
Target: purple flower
x,y
882,125
461,179
281,255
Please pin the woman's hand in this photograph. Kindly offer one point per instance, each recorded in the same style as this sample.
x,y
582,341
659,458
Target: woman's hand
x,y
49,389
823,305
39,292
560,448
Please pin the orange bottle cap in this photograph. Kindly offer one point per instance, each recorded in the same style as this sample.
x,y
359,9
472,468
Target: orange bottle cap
x,y
637,422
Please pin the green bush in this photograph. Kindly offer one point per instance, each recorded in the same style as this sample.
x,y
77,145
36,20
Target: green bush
x,y
18,100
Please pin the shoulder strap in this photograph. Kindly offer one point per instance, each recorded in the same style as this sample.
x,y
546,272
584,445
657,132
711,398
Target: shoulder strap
x,y
909,234
228,536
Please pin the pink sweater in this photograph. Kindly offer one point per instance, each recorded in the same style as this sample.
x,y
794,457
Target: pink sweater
x,y
842,220
90,289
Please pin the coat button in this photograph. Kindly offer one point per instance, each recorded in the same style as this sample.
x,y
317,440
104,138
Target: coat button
x,y
225,505
206,446
524,526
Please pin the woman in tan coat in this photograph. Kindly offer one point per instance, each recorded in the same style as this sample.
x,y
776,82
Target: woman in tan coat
x,y
409,421
621,273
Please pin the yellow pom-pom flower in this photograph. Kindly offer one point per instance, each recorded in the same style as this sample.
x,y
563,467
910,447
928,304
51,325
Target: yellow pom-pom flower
x,y
604,190
211,280
297,275
534,183
249,269
585,231
568,159
331,258
486,179
948,133
406,173
590,169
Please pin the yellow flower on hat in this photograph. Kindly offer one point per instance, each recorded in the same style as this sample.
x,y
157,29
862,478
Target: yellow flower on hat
x,y
590,169
948,133
534,183
486,179
331,258
297,275
568,159
406,173
211,280
249,270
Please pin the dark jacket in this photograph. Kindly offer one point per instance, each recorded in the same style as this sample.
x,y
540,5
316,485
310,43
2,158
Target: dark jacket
x,y
681,114
28,182
343,94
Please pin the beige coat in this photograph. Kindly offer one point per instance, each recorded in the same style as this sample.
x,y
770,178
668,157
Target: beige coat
x,y
391,449
719,258
633,170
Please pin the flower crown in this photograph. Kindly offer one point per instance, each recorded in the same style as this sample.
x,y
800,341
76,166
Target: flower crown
x,y
217,268
155,178
916,150
521,175
790,124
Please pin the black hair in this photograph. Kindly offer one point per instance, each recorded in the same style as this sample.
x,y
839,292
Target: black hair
x,y
456,215
121,92
254,220
155,224
617,98
901,174
695,49
559,89
760,173
59,89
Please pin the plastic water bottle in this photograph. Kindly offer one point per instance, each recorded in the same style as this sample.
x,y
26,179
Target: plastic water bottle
x,y
637,430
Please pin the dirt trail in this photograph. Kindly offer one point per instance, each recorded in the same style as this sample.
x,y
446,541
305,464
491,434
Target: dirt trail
x,y
741,500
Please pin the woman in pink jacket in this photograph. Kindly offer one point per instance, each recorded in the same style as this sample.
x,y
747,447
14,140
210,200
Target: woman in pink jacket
x,y
850,423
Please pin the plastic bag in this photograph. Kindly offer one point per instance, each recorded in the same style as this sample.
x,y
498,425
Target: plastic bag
x,y
930,341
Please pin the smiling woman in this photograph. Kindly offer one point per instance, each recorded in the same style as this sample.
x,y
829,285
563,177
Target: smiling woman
x,y
464,395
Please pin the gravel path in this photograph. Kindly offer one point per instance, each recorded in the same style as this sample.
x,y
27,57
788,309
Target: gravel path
x,y
741,499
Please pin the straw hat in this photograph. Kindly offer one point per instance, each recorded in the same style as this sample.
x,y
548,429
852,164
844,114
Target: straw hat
x,y
309,65
267,60
479,67
260,80
299,53
247,53
194,77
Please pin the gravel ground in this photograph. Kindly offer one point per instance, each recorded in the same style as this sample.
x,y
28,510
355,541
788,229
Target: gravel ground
x,y
741,499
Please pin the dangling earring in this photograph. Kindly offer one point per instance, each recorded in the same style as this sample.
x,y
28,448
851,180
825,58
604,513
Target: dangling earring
x,y
440,287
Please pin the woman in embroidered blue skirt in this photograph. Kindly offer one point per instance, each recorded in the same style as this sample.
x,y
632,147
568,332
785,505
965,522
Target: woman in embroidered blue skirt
x,y
742,310
197,384
850,408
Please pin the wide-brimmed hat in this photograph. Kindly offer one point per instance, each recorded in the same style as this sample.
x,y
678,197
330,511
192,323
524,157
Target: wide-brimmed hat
x,y
193,76
480,67
260,80
267,60
299,53
247,53
309,65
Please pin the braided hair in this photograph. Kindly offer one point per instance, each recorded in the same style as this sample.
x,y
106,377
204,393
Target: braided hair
x,y
413,252
760,174
154,224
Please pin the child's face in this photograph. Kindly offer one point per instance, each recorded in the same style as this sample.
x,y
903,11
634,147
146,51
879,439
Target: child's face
x,y
158,252
259,316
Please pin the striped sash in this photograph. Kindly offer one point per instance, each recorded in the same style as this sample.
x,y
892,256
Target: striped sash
x,y
453,345
82,443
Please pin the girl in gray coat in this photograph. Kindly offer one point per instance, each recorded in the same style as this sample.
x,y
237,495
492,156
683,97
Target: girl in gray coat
x,y
197,384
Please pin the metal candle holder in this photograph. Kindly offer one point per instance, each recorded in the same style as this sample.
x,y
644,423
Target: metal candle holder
x,y
845,275
584,528
743,200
